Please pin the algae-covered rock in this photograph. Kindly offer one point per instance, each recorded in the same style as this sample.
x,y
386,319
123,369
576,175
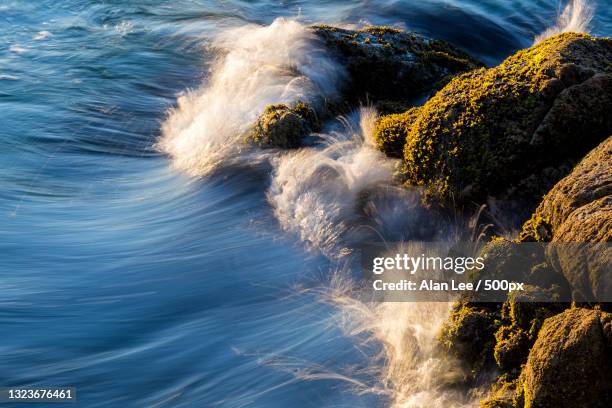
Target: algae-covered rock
x,y
496,403
283,126
501,394
522,317
389,64
570,363
469,334
511,347
490,129
390,132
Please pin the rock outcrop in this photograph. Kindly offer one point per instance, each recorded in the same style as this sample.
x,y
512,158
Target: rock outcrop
x,y
391,134
385,66
469,335
503,131
579,207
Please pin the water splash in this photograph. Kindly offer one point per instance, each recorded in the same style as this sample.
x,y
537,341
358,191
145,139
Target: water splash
x,y
413,371
279,63
576,17
314,192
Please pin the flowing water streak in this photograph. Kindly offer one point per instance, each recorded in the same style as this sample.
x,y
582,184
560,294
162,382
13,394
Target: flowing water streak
x,y
279,63
576,17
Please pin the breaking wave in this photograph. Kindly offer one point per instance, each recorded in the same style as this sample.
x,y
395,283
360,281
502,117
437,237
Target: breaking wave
x,y
258,66
333,196
315,192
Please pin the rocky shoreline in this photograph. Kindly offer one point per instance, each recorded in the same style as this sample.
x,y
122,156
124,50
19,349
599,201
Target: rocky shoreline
x,y
529,137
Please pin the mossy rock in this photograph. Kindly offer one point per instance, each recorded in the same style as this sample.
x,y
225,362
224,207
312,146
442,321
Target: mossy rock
x,y
522,317
469,335
496,403
390,132
283,126
385,63
502,393
606,323
570,363
511,348
489,130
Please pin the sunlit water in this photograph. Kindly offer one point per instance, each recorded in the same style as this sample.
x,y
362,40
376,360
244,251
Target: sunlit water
x,y
147,259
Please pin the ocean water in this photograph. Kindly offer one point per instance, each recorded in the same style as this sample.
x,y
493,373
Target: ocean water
x,y
150,260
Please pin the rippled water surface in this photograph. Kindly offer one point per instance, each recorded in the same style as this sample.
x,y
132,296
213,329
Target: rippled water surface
x,y
142,285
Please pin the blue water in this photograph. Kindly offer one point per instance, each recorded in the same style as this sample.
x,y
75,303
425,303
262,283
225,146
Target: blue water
x,y
135,283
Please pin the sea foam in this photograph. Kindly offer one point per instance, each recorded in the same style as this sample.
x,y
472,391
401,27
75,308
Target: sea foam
x,y
257,66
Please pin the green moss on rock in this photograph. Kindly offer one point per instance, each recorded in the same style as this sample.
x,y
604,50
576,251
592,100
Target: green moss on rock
x,y
502,393
469,335
522,317
489,129
391,131
579,207
577,210
283,126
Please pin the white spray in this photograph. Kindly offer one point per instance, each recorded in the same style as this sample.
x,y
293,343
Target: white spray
x,y
279,63
314,191
576,17
411,369
314,195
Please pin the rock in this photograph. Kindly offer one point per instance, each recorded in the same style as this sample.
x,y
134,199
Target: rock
x,y
579,210
590,223
522,317
390,132
501,394
389,64
519,262
469,334
496,403
386,68
606,322
283,126
490,129
511,347
570,363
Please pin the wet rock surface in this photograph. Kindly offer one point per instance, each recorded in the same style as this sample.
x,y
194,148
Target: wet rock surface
x,y
384,63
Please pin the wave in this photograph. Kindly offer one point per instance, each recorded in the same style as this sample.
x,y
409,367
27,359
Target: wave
x,y
315,192
576,17
333,196
259,65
